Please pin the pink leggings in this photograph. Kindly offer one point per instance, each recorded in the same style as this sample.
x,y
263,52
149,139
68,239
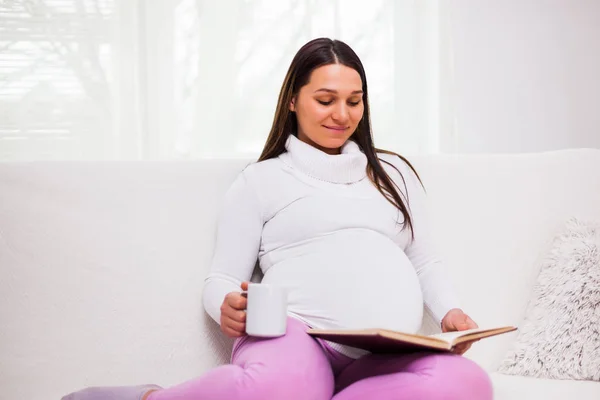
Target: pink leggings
x,y
298,367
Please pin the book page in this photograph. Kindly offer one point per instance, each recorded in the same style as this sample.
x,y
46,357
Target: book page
x,y
450,336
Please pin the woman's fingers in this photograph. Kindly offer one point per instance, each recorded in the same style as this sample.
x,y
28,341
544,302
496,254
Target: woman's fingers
x,y
236,316
471,324
461,349
236,301
236,326
232,333
233,327
233,315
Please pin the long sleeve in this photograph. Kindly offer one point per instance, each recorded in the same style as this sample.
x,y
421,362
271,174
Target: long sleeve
x,y
237,245
438,292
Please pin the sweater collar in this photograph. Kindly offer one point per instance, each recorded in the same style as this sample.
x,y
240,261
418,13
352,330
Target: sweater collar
x,y
348,167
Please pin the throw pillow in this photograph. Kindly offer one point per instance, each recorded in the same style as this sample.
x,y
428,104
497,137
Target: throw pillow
x,y
560,336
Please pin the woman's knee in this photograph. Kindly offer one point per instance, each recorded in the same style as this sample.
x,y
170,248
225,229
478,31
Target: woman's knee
x,y
293,366
291,384
458,378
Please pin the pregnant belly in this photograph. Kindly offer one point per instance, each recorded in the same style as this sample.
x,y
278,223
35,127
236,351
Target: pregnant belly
x,y
352,280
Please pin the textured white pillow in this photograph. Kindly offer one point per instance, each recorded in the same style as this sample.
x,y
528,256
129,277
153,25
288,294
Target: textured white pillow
x,y
560,336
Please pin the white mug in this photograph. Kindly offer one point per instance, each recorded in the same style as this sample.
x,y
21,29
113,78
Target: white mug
x,y
266,313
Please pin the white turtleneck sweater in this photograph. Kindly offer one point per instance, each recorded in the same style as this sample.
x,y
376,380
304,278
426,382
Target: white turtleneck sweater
x,y
320,227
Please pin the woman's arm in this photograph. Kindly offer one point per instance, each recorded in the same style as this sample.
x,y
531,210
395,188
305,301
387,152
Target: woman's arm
x,y
438,292
237,244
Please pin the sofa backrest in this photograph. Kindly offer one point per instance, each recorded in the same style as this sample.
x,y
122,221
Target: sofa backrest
x,y
494,218
102,264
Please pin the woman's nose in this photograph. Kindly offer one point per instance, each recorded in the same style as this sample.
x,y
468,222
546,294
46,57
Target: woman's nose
x,y
340,114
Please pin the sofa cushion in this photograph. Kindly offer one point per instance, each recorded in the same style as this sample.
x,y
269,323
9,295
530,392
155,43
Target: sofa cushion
x,y
508,387
559,337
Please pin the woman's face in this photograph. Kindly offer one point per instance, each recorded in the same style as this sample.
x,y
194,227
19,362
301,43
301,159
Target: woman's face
x,y
329,107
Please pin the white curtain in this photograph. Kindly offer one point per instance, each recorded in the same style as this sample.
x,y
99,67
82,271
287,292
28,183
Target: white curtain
x,y
185,79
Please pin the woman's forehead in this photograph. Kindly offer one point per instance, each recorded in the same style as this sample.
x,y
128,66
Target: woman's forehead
x,y
335,77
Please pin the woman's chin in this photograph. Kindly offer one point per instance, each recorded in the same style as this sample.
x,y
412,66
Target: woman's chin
x,y
327,142
333,143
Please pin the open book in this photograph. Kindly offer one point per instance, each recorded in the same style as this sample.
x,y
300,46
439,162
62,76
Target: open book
x,y
386,341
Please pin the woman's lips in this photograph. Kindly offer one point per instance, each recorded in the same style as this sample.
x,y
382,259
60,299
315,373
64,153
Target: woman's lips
x,y
336,129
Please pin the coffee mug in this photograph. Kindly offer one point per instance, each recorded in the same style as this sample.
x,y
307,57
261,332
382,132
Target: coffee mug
x,y
266,313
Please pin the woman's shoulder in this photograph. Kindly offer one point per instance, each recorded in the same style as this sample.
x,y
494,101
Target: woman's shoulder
x,y
254,181
260,175
261,170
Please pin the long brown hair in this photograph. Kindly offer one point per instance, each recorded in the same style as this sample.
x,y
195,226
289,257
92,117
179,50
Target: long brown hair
x,y
314,54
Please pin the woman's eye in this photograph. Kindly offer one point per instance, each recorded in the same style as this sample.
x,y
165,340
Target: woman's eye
x,y
353,103
325,103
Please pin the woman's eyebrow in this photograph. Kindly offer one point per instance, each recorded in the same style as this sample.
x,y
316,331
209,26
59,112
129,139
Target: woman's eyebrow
x,y
335,91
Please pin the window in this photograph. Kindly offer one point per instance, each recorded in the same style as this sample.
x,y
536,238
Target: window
x,y
166,79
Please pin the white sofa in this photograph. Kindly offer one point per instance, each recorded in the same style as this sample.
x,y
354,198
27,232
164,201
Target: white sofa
x,y
102,264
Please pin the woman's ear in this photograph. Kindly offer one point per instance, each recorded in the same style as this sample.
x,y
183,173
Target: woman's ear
x,y
293,104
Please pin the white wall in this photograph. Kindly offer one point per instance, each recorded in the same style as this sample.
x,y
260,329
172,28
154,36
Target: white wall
x,y
524,75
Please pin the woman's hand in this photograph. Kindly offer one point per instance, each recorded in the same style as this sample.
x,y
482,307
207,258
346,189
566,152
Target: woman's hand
x,y
457,320
233,313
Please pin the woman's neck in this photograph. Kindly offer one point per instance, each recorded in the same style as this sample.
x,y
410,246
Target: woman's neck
x,y
331,151
349,166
